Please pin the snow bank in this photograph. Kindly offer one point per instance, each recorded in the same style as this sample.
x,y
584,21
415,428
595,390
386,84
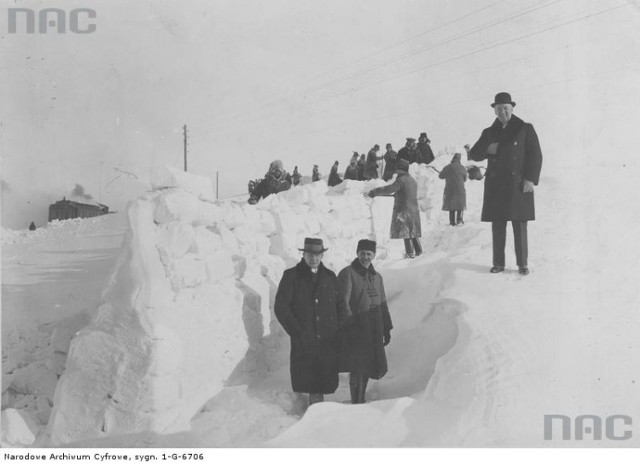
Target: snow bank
x,y
193,292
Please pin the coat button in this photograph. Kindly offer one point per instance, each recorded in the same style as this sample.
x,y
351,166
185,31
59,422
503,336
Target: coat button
x,y
515,144
316,301
318,318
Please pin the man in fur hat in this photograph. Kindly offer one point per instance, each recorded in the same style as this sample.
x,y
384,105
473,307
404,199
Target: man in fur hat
x,y
368,327
514,162
274,181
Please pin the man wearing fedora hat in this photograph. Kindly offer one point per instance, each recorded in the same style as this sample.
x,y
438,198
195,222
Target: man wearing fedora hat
x,y
309,308
367,329
514,157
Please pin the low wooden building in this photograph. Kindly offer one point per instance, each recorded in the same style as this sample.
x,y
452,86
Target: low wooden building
x,y
67,209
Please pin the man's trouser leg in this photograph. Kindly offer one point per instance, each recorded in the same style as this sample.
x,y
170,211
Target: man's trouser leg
x,y
499,232
452,218
408,247
417,246
459,221
358,387
520,242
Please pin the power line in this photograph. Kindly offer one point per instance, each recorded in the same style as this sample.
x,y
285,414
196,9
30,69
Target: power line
x,y
234,117
464,55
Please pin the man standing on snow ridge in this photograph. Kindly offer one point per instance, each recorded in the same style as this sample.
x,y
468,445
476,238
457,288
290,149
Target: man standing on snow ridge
x,y
309,308
513,168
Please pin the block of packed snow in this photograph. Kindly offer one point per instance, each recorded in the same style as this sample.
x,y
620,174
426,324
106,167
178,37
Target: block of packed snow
x,y
311,224
163,177
36,379
60,339
205,241
176,205
18,428
288,221
219,266
267,223
232,215
252,217
295,197
251,243
207,214
255,310
175,238
270,202
229,240
286,245
381,212
187,271
329,226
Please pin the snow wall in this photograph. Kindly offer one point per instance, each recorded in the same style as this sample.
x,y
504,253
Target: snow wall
x,y
193,291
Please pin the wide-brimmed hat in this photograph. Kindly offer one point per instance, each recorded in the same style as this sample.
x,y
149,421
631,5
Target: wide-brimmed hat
x,y
313,245
365,244
410,139
502,98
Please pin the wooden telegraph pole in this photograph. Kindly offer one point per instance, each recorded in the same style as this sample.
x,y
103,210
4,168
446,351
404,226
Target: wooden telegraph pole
x,y
184,133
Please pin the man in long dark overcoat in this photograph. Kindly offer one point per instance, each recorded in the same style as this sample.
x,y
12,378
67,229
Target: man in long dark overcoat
x,y
405,222
390,160
454,198
368,326
514,162
309,308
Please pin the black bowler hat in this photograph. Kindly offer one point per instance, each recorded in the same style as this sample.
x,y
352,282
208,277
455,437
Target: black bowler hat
x,y
502,98
313,245
368,245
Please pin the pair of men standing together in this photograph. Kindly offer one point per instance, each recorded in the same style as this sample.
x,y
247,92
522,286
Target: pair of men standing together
x,y
336,324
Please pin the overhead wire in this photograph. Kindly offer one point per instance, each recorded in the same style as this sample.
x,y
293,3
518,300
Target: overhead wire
x,y
460,56
233,118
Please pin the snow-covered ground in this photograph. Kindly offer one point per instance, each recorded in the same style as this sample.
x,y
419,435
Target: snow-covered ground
x,y
476,359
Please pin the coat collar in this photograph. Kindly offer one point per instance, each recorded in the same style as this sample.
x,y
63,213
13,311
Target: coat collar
x,y
303,269
360,269
510,132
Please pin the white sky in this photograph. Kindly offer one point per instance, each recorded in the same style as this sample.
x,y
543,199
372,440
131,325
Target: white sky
x,y
305,81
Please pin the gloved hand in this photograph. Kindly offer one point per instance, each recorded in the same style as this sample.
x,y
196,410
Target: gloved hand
x,y
386,339
253,200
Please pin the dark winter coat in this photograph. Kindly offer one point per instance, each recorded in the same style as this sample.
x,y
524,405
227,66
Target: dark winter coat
x,y
362,349
270,184
351,172
455,195
390,161
425,154
405,222
361,165
409,154
519,157
371,166
334,177
315,175
310,309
